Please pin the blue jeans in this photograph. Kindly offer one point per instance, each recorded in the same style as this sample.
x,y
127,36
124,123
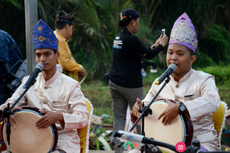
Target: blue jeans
x,y
121,98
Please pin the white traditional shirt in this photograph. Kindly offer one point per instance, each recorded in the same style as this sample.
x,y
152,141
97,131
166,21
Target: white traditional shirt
x,y
58,94
197,90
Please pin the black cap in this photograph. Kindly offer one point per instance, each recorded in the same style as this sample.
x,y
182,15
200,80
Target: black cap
x,y
67,18
128,14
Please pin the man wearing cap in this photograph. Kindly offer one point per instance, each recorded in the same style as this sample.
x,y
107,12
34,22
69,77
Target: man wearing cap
x,y
195,91
125,74
56,95
64,31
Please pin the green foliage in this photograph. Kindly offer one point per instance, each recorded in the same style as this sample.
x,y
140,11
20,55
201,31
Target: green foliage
x,y
203,60
224,91
216,44
150,77
95,27
98,93
221,74
14,3
95,137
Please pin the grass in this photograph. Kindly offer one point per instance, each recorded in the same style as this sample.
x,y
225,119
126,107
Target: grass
x,y
98,92
224,92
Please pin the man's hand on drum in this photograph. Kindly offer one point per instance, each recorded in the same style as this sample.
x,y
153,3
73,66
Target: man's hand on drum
x,y
13,121
49,118
170,113
135,109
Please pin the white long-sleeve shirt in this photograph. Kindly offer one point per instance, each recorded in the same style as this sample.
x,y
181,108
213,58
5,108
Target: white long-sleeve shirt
x,y
197,90
58,94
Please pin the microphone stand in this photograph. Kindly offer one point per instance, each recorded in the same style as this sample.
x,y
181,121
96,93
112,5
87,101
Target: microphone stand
x,y
145,111
6,114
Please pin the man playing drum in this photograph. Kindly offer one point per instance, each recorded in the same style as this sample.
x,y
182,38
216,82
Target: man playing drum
x,y
194,90
56,95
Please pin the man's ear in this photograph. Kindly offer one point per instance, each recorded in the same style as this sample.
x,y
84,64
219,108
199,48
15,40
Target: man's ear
x,y
132,22
193,58
58,55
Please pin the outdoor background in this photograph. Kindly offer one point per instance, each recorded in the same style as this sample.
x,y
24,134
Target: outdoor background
x,y
95,27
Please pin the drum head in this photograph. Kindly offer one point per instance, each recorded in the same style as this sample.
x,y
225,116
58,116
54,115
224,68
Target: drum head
x,y
171,134
26,137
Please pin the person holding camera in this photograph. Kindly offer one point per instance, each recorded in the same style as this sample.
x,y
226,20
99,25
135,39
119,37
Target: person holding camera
x,y
125,78
9,55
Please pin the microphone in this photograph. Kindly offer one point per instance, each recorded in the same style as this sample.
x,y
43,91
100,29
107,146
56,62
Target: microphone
x,y
172,67
140,139
33,76
135,138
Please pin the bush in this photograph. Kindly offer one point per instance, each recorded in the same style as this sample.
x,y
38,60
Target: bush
x,y
221,74
203,60
216,43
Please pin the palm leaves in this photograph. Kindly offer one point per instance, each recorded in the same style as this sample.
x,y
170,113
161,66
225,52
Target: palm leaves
x,y
96,28
96,23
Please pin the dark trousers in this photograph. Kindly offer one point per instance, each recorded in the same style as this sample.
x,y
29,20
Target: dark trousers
x,y
121,98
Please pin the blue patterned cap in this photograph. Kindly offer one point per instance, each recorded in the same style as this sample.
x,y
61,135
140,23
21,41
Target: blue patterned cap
x,y
43,36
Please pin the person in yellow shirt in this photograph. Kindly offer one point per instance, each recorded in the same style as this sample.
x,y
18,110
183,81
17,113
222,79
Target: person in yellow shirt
x,y
63,32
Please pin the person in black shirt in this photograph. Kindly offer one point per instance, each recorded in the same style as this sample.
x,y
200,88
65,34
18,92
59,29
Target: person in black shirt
x,y
125,79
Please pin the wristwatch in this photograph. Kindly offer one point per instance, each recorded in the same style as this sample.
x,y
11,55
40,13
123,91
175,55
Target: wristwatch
x,y
153,46
182,108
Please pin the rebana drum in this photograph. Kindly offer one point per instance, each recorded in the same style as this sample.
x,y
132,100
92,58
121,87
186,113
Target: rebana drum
x,y
26,137
179,130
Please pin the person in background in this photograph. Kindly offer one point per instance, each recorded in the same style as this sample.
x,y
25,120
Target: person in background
x,y
9,55
193,91
125,78
56,95
64,31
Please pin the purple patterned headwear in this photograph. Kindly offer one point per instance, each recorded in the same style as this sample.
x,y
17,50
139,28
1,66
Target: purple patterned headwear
x,y
184,33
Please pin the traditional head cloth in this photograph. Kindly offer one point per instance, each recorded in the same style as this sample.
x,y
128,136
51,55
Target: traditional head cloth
x,y
128,14
43,36
184,33
67,18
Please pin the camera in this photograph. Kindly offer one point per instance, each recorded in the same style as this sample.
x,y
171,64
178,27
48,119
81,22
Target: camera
x,y
153,65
